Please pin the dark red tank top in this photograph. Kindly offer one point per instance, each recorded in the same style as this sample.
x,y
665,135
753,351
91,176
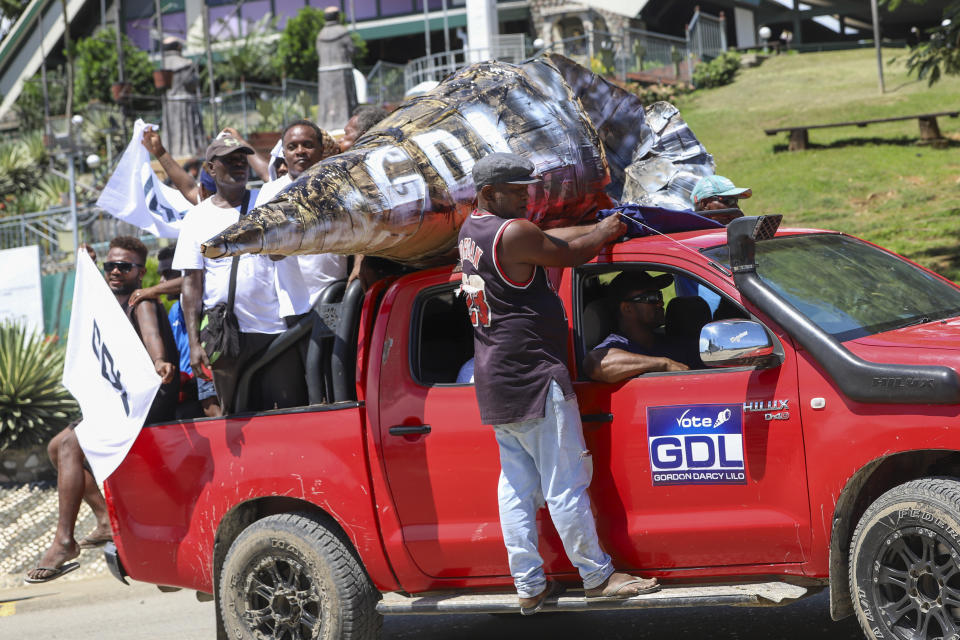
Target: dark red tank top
x,y
519,328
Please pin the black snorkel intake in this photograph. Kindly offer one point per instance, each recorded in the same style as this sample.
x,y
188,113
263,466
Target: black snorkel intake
x,y
857,378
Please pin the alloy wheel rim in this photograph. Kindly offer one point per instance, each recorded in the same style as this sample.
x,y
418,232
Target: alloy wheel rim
x,y
281,600
916,585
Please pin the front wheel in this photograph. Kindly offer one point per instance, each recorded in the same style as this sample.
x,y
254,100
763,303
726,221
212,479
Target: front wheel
x,y
905,562
291,577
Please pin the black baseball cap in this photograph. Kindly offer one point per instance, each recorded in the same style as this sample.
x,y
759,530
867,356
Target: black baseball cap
x,y
627,281
503,168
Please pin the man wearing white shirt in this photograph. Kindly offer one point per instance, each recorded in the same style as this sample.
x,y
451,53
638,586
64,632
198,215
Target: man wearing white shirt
x,y
206,283
301,279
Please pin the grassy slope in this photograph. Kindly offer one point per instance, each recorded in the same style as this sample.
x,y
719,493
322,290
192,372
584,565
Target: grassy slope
x,y
873,182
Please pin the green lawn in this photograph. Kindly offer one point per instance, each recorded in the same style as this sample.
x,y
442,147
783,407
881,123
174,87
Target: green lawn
x,y
874,182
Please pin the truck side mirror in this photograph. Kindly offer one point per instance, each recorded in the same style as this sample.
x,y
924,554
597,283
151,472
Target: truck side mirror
x,y
736,343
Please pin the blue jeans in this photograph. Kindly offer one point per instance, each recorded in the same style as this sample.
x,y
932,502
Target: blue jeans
x,y
546,460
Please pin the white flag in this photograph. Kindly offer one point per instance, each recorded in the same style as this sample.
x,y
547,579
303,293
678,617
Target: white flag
x,y
135,195
108,371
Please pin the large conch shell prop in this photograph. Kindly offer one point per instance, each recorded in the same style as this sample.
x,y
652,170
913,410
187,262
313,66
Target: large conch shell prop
x,y
403,190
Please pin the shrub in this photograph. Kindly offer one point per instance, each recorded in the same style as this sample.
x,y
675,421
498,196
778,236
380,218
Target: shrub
x,y
649,94
246,57
96,60
718,72
34,406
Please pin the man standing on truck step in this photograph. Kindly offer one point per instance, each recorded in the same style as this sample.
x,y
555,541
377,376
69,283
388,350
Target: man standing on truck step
x,y
523,381
124,270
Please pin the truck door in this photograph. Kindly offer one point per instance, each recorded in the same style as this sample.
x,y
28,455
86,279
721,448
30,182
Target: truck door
x,y
442,464
698,468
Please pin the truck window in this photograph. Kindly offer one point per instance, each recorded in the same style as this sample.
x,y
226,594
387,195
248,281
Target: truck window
x,y
689,304
847,287
442,340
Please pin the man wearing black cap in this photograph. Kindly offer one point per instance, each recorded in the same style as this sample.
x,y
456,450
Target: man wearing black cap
x,y
523,382
634,348
206,283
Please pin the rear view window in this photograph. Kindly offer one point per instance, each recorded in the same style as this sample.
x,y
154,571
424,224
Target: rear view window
x,y
443,337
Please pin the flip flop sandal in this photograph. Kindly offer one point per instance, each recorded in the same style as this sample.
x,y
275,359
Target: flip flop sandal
x,y
552,590
617,594
91,542
64,569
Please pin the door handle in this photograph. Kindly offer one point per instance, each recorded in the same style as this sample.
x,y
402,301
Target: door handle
x,y
596,418
409,429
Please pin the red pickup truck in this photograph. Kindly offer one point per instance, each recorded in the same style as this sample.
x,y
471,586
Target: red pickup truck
x,y
818,447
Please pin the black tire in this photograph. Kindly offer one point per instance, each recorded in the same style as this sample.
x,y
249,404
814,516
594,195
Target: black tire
x,y
905,562
290,577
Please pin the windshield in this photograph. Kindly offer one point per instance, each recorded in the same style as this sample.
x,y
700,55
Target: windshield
x,y
848,288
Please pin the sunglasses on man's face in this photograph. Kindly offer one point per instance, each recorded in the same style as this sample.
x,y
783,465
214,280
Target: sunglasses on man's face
x,y
647,298
731,202
123,267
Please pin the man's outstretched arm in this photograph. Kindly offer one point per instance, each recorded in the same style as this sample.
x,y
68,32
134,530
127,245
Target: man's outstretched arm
x,y
524,245
614,365
182,180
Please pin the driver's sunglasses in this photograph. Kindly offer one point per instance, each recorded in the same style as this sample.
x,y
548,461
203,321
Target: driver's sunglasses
x,y
647,298
730,202
123,267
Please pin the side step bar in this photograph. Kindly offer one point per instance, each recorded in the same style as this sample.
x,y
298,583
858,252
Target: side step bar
x,y
750,594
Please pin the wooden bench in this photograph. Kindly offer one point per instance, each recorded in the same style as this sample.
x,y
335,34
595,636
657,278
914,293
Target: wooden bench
x,y
928,127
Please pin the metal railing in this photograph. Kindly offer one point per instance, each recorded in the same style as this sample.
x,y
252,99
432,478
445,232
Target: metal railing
x,y
52,230
385,83
706,35
654,57
510,47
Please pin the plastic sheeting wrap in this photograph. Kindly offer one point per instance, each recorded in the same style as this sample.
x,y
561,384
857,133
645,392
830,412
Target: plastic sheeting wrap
x,y
403,190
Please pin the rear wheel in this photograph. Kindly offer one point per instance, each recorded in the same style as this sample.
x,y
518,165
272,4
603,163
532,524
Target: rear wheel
x,y
290,577
905,562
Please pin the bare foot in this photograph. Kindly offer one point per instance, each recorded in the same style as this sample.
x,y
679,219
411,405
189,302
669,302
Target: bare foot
x,y
98,537
54,557
623,585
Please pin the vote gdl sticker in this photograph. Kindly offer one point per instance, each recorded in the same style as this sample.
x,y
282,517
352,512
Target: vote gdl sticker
x,y
696,444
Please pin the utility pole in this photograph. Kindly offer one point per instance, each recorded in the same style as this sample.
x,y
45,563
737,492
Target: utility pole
x,y
205,19
876,42
121,73
426,26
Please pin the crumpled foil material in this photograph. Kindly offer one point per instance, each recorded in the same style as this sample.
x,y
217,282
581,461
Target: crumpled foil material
x,y
664,172
405,187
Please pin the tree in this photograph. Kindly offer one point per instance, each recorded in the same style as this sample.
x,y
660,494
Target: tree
x,y
29,104
941,53
297,46
96,60
248,56
11,9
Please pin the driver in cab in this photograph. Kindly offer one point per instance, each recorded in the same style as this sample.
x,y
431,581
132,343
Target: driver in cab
x,y
634,347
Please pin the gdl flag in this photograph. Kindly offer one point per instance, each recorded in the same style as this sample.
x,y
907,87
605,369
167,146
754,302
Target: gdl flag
x,y
108,371
135,195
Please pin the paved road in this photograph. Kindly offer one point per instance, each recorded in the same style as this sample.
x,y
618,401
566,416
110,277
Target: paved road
x,y
104,609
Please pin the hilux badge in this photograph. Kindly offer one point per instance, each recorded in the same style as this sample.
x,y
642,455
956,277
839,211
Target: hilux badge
x,y
766,405
771,409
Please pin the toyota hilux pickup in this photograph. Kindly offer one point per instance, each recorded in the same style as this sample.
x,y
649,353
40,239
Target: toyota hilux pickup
x,y
817,447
